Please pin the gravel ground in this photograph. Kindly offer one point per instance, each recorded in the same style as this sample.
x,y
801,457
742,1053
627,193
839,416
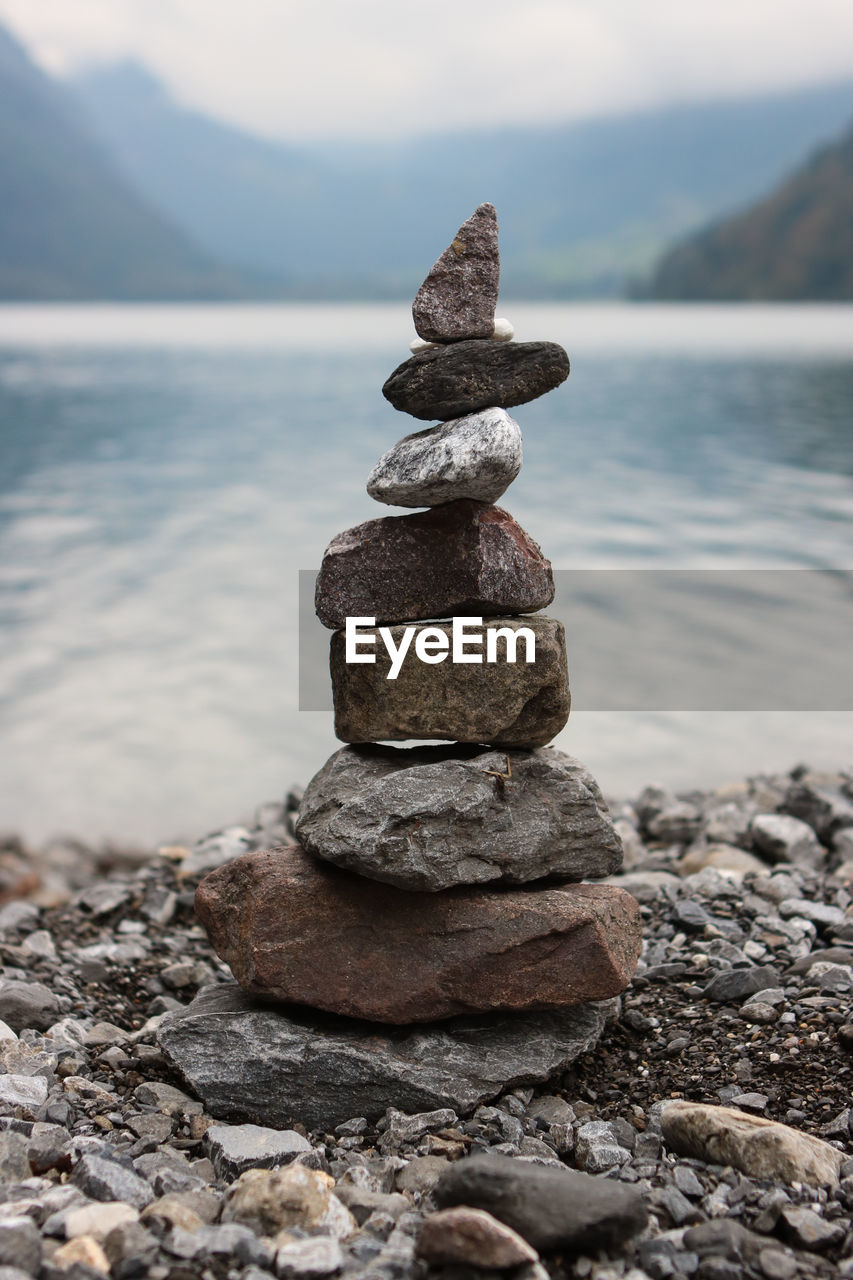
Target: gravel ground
x,y
742,998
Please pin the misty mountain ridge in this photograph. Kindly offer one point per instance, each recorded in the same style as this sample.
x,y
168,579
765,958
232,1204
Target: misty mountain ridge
x,y
796,243
71,226
112,190
584,206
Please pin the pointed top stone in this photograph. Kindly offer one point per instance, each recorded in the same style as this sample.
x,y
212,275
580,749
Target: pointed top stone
x,y
458,298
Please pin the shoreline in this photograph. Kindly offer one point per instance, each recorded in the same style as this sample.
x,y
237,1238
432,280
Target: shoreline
x,y
658,825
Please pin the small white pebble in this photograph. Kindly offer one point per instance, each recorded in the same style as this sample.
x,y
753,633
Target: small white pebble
x,y
504,332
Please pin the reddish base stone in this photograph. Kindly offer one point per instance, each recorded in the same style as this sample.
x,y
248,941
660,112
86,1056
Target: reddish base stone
x,y
298,931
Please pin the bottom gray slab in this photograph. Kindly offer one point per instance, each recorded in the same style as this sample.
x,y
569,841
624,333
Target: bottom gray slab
x,y
275,1067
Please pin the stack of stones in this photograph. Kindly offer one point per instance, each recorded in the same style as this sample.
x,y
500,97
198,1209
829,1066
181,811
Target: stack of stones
x,y
438,882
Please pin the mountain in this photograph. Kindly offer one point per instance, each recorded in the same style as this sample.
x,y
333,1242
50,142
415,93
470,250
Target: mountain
x,y
583,206
795,244
71,227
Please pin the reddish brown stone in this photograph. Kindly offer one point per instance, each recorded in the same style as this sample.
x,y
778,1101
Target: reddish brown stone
x,y
298,931
458,298
471,1237
467,558
509,704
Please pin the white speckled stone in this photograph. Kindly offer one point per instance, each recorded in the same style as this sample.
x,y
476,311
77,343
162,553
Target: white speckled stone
x,y
476,457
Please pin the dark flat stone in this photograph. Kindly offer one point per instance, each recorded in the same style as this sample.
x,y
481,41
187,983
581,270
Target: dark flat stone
x,y
555,1210
278,1067
450,381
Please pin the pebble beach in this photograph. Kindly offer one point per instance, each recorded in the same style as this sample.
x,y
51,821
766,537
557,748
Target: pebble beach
x,y
739,1009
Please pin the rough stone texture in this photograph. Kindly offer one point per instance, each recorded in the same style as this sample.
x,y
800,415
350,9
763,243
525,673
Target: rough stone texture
x,y
471,1237
466,558
272,1200
503,331
30,1004
363,1201
98,1219
28,1092
85,1252
458,298
108,1177
432,817
421,1173
759,1148
597,1147
736,984
475,457
451,381
296,930
725,1238
309,1259
20,1245
511,704
808,1230
254,1063
235,1148
14,1160
398,1127
782,838
553,1209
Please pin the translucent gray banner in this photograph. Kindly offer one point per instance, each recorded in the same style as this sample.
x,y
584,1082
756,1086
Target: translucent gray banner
x,y
676,640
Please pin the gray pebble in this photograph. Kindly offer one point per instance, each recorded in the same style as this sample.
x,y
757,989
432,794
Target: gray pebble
x,y
309,1259
233,1148
597,1147
105,1177
734,984
28,1092
687,1182
20,1245
27,1004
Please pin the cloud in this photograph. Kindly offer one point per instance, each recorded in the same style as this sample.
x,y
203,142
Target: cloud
x,y
299,69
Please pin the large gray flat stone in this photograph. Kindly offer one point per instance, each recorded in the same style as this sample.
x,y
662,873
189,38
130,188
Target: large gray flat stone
x,y
273,1067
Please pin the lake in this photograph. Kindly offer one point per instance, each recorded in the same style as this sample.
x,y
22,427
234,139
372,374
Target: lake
x,y
166,472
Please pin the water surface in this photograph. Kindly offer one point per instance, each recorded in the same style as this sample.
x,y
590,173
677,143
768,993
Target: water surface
x,y
166,471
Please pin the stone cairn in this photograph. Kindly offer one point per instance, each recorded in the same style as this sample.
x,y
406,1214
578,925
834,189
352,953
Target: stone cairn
x,y
437,882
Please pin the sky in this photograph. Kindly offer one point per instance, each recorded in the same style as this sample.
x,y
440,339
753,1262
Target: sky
x,y
311,69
